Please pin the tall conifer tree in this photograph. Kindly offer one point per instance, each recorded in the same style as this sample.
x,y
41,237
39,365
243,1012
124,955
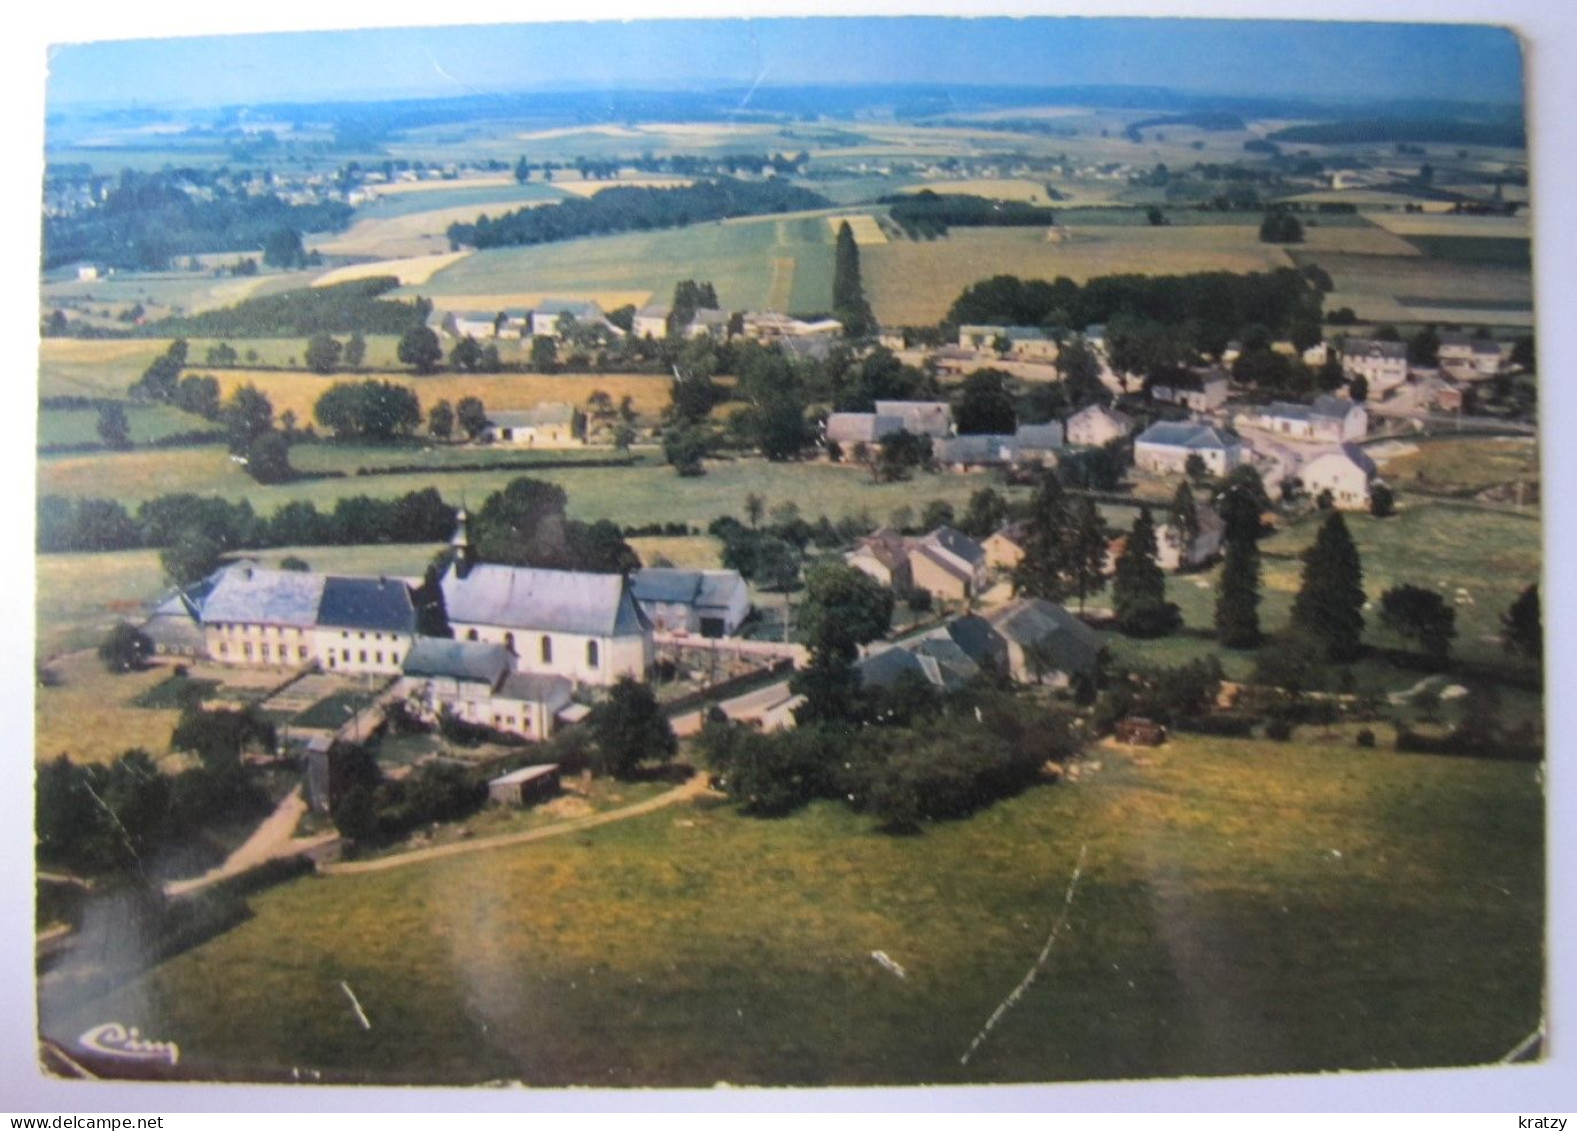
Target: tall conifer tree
x,y
1329,605
1237,593
1139,586
1046,569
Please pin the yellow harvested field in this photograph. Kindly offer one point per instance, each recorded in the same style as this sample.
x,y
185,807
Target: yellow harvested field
x,y
102,351
693,552
993,188
414,234
299,390
576,131
399,187
1414,224
592,188
409,271
863,227
913,283
498,300
1354,240
88,715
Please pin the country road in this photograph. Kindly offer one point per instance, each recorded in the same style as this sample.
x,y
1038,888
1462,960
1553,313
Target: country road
x,y
690,790
272,839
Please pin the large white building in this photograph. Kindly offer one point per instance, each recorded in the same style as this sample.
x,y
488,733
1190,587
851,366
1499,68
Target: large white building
x,y
585,627
1095,425
1164,448
1347,473
1383,365
1331,420
711,602
477,683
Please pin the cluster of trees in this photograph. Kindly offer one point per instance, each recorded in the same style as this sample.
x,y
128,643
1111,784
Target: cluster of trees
x,y
627,208
525,524
1199,313
351,307
932,758
693,165
327,354
147,219
690,296
928,215
1280,226
1064,546
373,809
378,411
195,530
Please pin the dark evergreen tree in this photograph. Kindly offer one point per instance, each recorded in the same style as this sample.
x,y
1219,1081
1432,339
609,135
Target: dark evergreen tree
x,y
1139,586
985,404
1237,592
1185,517
1329,605
1522,628
1089,550
1046,569
1422,616
848,294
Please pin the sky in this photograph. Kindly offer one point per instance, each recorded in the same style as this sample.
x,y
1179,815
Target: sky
x,y
1321,60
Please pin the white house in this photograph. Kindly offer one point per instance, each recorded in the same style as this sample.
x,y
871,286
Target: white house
x,y
1383,365
1096,425
1331,420
947,564
1165,446
1347,473
849,428
1468,357
712,323
476,683
1171,555
546,317
651,321
545,426
364,624
923,418
585,627
263,617
471,323
712,602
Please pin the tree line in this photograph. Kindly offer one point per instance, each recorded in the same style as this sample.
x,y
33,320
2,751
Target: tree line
x,y
356,306
928,215
624,208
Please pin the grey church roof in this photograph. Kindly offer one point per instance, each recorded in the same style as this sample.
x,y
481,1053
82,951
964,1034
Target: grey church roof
x,y
547,600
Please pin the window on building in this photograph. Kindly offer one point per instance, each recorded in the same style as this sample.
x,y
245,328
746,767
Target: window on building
x,y
246,650
224,649
364,655
378,656
591,653
471,635
547,649
301,652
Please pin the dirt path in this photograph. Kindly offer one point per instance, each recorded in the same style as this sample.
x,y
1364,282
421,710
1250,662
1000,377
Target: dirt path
x,y
691,789
272,839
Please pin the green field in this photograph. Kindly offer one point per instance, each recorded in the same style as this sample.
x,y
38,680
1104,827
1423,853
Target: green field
x,y
737,257
145,423
1389,288
1476,249
491,199
646,492
1243,908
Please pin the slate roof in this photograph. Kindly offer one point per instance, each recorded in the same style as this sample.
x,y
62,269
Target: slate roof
x,y
887,667
251,595
379,604
470,660
654,310
1121,419
954,665
544,413
705,589
1186,434
718,587
578,309
547,600
1369,347
957,543
533,687
861,427
1039,436
1356,455
1325,407
944,561
886,545
1071,644
929,418
974,635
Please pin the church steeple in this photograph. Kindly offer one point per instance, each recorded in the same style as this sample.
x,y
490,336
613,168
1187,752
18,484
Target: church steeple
x,y
460,543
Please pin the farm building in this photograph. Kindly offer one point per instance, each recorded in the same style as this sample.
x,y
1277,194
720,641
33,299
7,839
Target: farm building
x,y
884,555
522,786
923,418
477,683
545,426
1383,365
585,627
850,428
1028,343
174,624
1347,473
1033,445
712,602
1164,448
262,617
712,323
1331,420
945,563
471,323
1096,425
1198,390
548,315
769,326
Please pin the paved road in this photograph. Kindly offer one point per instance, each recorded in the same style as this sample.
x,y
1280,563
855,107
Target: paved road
x,y
271,840
691,789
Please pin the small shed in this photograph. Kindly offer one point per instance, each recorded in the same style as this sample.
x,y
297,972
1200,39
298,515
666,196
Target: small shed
x,y
1140,732
522,786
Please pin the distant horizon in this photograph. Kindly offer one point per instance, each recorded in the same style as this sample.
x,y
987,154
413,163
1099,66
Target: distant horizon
x,y
1324,62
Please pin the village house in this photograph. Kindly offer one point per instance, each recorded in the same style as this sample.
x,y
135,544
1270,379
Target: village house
x,y
1164,448
1033,445
711,323
1382,365
471,323
949,565
545,426
1029,343
711,602
585,627
769,326
849,428
1347,473
174,623
1169,551
364,624
1330,420
1096,425
1005,547
476,683
884,555
1043,642
1468,357
651,321
547,316
1199,390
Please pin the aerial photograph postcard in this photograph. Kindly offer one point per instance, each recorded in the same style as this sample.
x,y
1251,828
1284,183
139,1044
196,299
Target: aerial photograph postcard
x,y
796,552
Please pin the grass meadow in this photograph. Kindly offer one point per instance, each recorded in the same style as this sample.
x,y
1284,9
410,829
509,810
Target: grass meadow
x,y
1242,908
144,423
